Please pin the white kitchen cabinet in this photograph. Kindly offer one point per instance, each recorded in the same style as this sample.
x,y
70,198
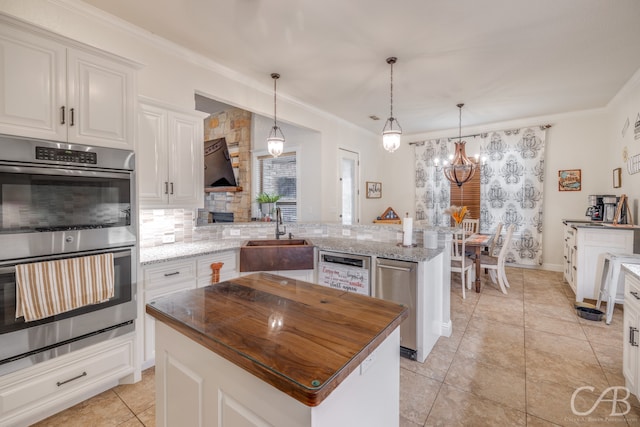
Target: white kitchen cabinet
x,y
54,88
171,153
569,254
228,271
160,280
631,334
590,242
34,393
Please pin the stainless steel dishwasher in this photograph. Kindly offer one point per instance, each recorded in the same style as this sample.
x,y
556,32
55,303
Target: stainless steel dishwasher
x,y
396,281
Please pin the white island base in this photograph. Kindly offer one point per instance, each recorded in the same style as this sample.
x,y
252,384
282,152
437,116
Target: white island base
x,y
196,387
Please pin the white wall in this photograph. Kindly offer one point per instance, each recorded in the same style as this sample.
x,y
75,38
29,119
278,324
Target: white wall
x,y
626,105
306,142
172,75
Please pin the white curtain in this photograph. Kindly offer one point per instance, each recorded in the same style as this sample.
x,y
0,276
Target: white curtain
x,y
511,187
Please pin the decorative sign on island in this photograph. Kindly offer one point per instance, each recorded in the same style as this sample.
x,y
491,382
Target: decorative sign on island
x,y
347,279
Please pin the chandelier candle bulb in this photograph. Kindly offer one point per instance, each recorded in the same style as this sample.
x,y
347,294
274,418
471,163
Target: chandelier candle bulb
x,y
407,229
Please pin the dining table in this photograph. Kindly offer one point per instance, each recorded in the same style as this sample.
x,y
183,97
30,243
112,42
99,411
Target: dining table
x,y
477,242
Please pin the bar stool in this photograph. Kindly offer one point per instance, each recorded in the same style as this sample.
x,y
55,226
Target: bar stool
x,y
215,272
611,281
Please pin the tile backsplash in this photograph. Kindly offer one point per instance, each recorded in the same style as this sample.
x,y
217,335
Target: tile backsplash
x,y
162,226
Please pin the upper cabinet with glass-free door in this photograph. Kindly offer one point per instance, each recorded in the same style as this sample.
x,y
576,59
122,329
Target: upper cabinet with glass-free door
x,y
54,88
171,144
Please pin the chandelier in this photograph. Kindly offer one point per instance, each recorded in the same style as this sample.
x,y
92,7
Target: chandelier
x,y
461,169
275,141
391,136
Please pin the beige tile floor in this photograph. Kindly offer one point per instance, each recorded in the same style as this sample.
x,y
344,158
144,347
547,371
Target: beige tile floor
x,y
512,360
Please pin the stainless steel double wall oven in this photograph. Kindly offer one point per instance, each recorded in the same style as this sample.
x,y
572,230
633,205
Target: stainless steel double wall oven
x,y
58,201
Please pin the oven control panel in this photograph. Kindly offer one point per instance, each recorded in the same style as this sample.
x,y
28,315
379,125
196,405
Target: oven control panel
x,y
62,155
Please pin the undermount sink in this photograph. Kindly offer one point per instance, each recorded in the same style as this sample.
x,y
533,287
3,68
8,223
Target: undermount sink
x,y
276,254
277,242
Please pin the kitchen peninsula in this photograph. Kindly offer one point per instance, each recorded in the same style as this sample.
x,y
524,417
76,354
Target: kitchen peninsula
x,y
266,350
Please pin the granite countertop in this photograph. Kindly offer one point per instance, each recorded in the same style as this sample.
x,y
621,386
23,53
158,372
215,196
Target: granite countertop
x,y
301,338
632,269
176,251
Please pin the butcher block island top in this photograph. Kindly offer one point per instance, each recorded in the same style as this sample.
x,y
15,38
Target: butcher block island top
x,y
301,338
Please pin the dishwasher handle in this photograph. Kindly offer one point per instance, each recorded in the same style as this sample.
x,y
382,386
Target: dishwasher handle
x,y
393,267
354,262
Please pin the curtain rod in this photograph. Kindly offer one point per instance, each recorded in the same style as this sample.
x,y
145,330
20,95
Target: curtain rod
x,y
542,127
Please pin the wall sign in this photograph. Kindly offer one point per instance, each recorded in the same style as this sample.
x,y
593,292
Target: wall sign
x,y
570,180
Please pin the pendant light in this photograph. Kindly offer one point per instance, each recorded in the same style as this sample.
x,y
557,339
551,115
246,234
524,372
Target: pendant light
x,y
275,141
391,136
461,169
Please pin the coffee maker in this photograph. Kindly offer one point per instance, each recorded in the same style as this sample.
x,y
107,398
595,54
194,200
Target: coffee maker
x,y
596,207
610,205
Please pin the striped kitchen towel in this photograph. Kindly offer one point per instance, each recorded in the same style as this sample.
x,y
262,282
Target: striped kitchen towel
x,y
47,288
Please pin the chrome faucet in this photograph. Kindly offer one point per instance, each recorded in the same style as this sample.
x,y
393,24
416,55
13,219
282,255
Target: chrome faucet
x,y
279,223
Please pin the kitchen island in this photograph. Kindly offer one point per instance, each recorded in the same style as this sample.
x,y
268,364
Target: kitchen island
x,y
266,350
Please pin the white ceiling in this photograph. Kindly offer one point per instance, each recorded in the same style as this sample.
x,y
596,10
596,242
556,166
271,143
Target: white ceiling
x,y
505,59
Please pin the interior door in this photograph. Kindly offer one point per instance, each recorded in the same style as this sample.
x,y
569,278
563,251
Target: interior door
x,y
349,168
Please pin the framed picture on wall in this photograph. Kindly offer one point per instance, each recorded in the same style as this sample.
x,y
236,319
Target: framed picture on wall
x,y
570,180
374,190
617,177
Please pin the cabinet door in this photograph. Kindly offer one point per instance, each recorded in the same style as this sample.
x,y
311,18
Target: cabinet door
x,y
152,162
630,352
186,160
229,269
100,93
32,85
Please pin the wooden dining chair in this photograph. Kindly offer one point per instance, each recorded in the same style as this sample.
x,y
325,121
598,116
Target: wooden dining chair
x,y
471,226
460,262
496,264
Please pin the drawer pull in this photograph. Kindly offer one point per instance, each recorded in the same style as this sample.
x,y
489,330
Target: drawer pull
x,y
635,294
72,117
62,114
175,273
632,336
59,383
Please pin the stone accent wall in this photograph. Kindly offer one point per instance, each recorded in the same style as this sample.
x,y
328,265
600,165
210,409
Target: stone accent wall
x,y
235,126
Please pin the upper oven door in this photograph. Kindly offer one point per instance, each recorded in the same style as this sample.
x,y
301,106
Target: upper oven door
x,y
36,199
50,210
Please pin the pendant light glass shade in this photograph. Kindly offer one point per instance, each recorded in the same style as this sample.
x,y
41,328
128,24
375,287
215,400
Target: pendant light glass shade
x,y
275,140
461,169
391,136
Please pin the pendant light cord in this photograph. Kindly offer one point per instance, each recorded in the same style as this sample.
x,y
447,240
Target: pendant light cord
x,y
391,97
275,77
460,122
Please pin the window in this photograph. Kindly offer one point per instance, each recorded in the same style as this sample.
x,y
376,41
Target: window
x,y
278,175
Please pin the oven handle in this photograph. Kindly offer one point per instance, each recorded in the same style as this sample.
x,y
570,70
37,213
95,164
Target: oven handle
x,y
67,171
12,268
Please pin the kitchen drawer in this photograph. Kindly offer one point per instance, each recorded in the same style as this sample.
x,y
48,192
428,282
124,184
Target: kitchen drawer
x,y
229,269
169,273
77,374
632,291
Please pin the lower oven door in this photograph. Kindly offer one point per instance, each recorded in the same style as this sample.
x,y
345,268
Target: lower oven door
x,y
26,343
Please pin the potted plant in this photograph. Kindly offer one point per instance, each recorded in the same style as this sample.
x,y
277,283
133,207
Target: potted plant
x,y
267,202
